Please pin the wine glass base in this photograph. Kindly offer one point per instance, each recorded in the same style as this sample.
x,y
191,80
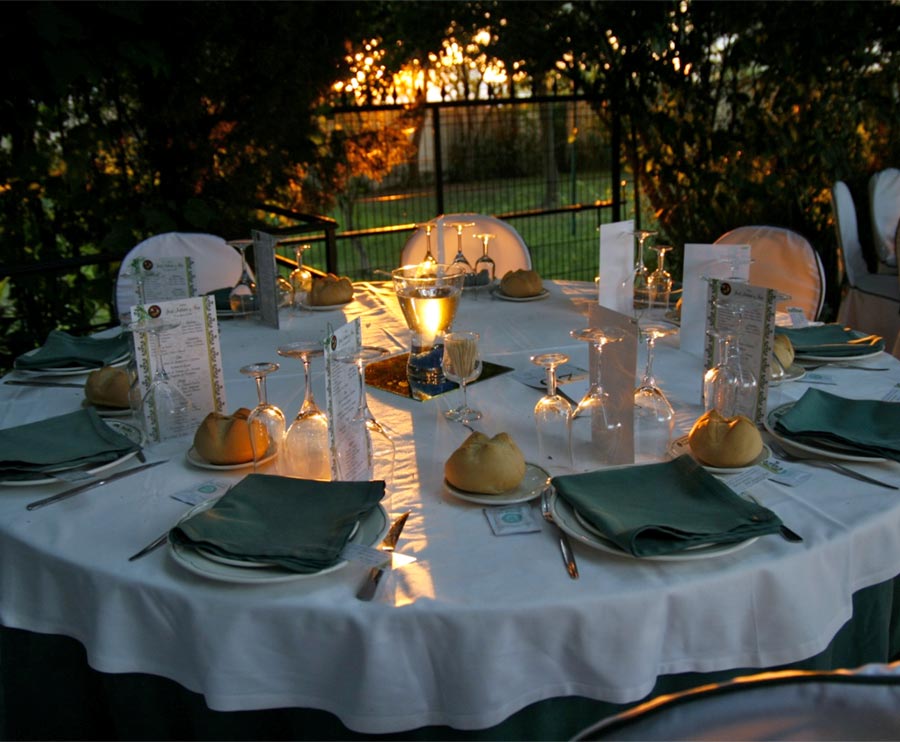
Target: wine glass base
x,y
463,415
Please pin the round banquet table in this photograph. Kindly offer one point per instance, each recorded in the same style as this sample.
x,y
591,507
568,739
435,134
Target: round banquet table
x,y
479,630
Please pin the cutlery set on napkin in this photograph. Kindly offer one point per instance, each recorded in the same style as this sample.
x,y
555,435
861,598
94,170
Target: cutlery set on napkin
x,y
62,350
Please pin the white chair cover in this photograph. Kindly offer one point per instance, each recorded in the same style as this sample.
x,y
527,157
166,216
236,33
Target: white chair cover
x,y
884,209
840,705
507,249
783,260
216,263
848,233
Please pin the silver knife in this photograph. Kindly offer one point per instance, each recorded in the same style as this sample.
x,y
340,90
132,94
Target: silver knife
x,y
370,586
65,494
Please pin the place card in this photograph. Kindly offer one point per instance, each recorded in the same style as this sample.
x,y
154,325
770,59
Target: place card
x,y
342,401
510,519
162,279
266,273
619,367
615,287
755,336
192,358
703,262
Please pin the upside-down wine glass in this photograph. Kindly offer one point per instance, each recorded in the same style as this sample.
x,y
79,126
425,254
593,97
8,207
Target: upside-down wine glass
x,y
462,364
659,283
485,263
367,432
300,278
306,450
551,417
428,227
654,417
594,430
640,274
243,296
460,259
265,421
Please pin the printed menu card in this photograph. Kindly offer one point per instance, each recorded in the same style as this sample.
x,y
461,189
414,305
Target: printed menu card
x,y
349,458
162,279
189,353
615,286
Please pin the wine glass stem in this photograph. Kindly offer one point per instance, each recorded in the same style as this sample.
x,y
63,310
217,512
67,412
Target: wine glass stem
x,y
157,351
261,389
551,381
648,370
308,402
640,255
363,410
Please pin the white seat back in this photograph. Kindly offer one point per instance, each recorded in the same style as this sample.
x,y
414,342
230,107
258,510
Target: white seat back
x,y
848,233
884,210
216,263
507,249
783,260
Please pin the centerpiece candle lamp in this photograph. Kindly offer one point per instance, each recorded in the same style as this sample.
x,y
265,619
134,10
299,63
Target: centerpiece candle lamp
x,y
428,294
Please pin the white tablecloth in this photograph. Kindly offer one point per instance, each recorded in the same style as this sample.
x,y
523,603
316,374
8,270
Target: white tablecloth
x,y
478,626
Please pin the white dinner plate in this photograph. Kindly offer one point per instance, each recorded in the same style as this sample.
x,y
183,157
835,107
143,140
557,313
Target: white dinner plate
x,y
369,533
567,519
195,459
681,446
324,307
130,431
835,452
506,297
865,351
794,372
534,481
70,370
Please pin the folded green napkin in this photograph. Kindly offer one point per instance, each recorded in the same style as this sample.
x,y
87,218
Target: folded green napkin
x,y
867,426
299,524
223,298
62,350
828,340
664,508
70,440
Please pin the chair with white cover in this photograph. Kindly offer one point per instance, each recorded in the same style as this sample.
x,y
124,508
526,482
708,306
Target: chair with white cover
x,y
884,211
871,301
507,248
789,705
217,264
785,261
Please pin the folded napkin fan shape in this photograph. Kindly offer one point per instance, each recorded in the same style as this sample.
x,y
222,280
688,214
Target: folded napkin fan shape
x,y
65,441
301,525
62,350
868,426
664,508
831,340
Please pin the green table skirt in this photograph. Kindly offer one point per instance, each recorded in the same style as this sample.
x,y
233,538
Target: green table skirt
x,y
50,692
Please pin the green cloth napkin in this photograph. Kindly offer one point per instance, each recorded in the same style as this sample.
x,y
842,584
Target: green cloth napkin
x,y
62,350
867,426
66,441
299,524
223,298
664,508
828,340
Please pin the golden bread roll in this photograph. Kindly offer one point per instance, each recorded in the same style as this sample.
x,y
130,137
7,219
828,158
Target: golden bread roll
x,y
225,439
486,465
784,351
330,289
108,387
521,283
725,442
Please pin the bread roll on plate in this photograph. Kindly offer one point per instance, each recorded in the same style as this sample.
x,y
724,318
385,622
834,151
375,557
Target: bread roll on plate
x,y
329,290
485,465
225,439
108,387
521,283
725,442
784,351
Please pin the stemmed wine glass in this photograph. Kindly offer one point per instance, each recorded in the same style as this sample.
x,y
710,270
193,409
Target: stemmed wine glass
x,y
654,417
300,278
306,450
366,431
266,417
551,416
243,295
164,405
460,259
485,262
659,282
640,274
429,228
594,431
462,364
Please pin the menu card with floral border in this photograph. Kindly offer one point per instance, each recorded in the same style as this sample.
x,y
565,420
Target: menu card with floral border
x,y
192,358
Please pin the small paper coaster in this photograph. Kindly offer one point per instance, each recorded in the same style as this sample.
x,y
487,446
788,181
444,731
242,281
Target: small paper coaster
x,y
512,519
818,378
201,492
785,474
746,480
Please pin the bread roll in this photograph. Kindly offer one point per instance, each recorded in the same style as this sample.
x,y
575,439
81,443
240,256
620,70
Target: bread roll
x,y
225,439
486,465
521,283
784,351
330,289
108,387
725,442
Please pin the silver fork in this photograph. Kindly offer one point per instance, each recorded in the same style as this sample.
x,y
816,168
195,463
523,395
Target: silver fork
x,y
833,364
564,546
783,454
